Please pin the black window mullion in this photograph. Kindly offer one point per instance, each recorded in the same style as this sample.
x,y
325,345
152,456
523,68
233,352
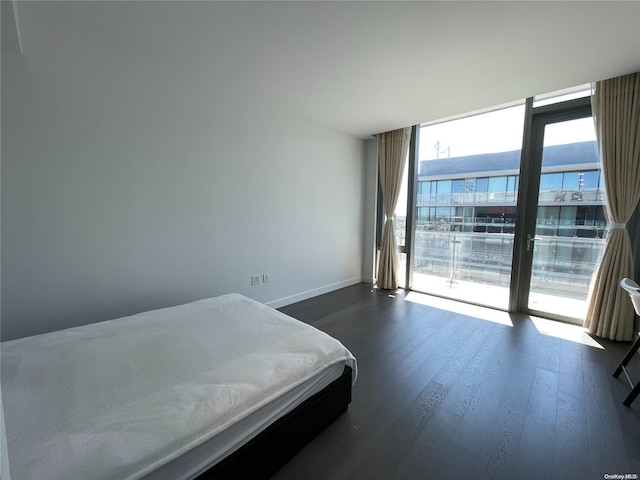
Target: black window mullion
x,y
412,209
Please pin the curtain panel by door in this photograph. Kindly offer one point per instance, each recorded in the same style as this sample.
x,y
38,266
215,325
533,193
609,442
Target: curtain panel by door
x,y
392,151
616,110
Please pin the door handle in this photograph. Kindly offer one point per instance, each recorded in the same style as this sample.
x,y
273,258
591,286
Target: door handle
x,y
531,239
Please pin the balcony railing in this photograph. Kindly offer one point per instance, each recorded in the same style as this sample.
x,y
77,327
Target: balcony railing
x,y
581,228
510,198
561,264
564,196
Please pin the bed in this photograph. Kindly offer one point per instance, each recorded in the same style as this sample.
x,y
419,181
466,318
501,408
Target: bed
x,y
219,388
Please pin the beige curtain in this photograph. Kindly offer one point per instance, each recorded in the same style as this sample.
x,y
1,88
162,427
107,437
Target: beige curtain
x,y
392,150
616,110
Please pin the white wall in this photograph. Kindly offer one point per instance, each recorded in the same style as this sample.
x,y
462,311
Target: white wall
x,y
130,184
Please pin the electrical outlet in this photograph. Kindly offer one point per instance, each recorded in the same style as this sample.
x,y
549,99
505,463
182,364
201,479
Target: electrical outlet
x,y
265,277
255,279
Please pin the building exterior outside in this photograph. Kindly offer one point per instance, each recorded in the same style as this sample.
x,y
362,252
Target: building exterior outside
x,y
466,215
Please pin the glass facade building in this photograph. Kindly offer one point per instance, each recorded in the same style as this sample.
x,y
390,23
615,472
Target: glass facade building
x,y
466,217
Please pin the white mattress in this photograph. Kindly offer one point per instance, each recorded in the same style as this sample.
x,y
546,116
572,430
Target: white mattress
x,y
132,397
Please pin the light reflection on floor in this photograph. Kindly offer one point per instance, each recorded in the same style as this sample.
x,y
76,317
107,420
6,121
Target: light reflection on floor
x,y
490,314
565,331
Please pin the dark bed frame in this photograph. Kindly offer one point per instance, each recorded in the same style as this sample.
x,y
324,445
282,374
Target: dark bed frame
x,y
262,456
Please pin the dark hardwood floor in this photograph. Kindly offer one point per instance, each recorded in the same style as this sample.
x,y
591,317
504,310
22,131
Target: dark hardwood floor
x,y
442,394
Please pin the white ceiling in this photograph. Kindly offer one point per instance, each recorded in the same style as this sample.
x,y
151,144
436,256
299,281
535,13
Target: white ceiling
x,y
359,67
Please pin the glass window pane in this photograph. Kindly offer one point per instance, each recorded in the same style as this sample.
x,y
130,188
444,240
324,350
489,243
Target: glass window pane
x,y
590,179
444,186
571,181
471,243
400,213
497,189
424,193
550,181
568,215
444,192
457,186
443,214
497,184
470,185
548,215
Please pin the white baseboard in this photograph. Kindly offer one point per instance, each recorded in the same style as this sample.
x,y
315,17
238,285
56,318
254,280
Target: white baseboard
x,y
313,293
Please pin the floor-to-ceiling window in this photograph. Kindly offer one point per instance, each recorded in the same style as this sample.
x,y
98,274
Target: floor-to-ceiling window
x,y
469,200
467,189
